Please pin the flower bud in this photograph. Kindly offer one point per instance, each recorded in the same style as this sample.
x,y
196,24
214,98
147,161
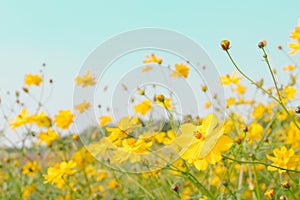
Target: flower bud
x,y
285,184
225,44
270,194
262,44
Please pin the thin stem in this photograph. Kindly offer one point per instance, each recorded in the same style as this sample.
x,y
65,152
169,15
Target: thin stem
x,y
262,163
265,91
272,74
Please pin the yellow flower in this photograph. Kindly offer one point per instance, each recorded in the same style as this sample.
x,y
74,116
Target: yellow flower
x,y
27,191
113,184
82,106
55,174
152,59
48,136
181,70
41,120
202,145
124,126
254,132
82,157
240,89
207,104
21,119
270,194
295,47
86,80
230,101
283,158
30,168
103,120
227,79
258,111
63,119
131,150
288,93
143,107
288,68
293,136
32,79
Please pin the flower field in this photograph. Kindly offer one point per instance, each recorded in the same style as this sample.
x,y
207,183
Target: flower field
x,y
247,149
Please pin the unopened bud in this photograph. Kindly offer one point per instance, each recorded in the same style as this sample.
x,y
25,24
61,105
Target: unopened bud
x,y
225,44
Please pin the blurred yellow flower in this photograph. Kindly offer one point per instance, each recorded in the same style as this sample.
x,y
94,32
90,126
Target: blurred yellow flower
x,y
113,184
82,106
288,68
227,79
41,120
283,158
30,168
103,120
27,191
86,80
32,79
254,132
143,107
55,174
202,145
152,59
124,126
181,70
82,157
63,119
21,119
48,137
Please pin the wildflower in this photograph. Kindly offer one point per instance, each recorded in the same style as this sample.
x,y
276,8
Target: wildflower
x,y
124,126
143,107
56,173
254,131
82,106
75,137
41,120
288,68
270,194
27,191
283,158
258,111
86,80
227,79
262,44
113,184
21,119
203,88
285,184
207,142
181,70
295,47
293,136
32,79
207,104
152,59
162,101
230,101
103,120
82,157
48,137
131,150
225,44
63,119
30,168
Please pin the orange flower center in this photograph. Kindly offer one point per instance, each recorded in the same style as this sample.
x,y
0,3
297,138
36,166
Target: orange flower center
x,y
198,135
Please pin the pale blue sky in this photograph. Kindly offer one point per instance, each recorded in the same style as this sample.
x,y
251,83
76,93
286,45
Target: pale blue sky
x,y
63,33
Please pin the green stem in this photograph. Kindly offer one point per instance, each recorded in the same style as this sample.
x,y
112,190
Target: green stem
x,y
272,74
256,184
265,91
262,163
